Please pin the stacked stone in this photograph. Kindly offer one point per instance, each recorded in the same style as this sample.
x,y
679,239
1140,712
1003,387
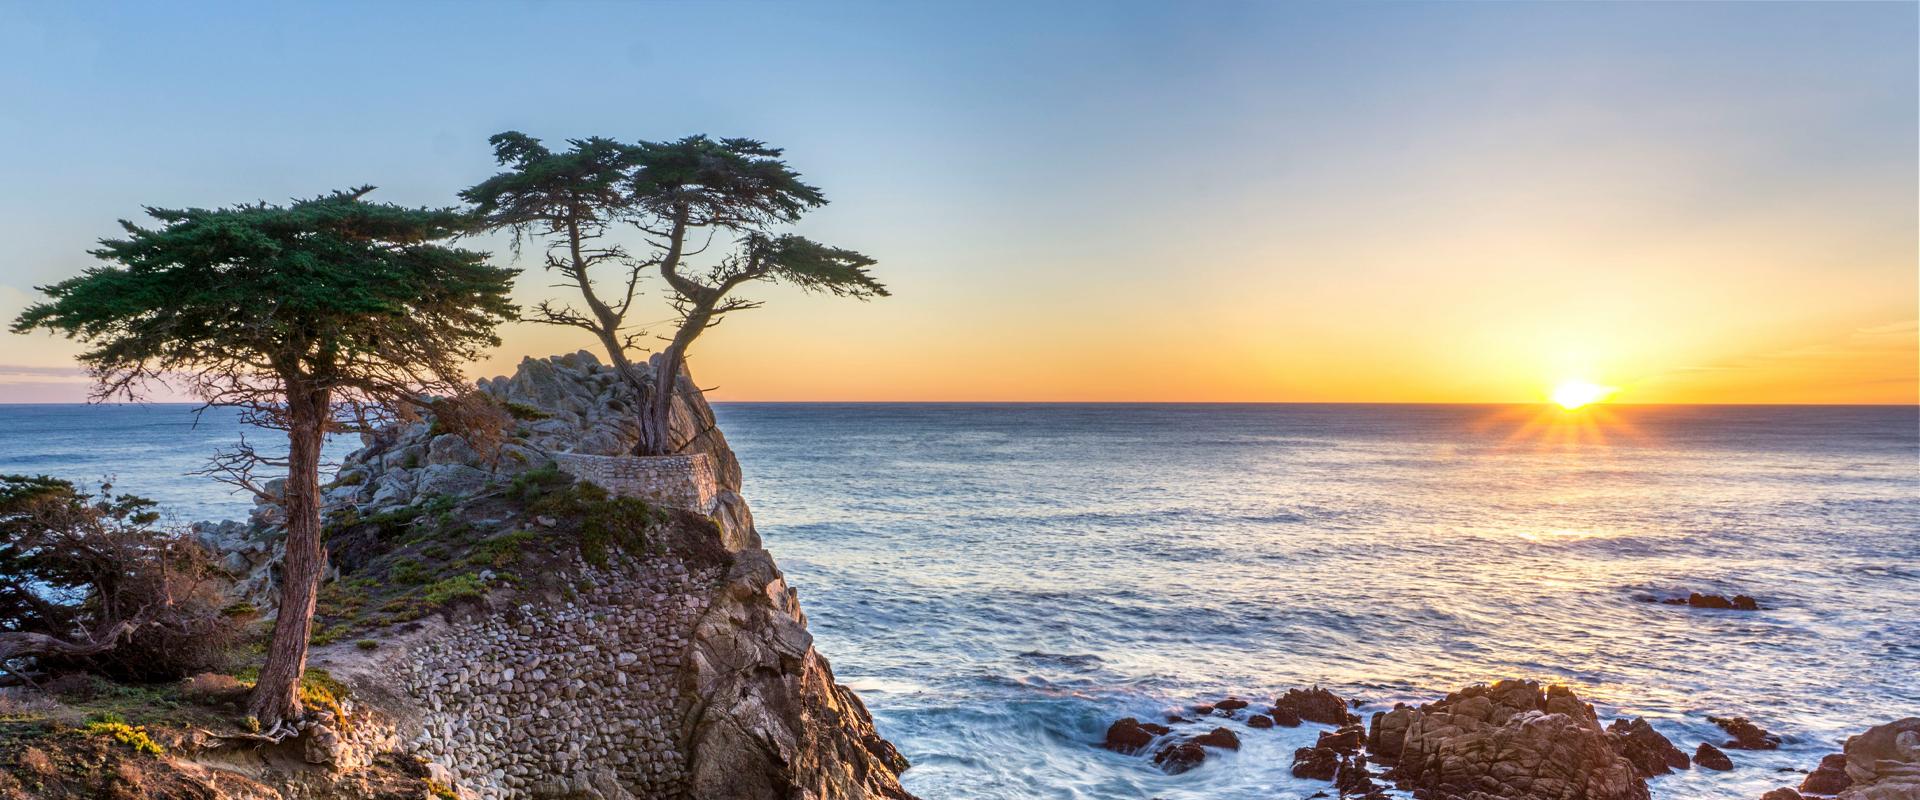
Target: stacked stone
x,y
564,698
685,481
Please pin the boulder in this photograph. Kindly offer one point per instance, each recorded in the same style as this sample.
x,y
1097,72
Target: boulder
x,y
1346,741
1650,753
1512,740
1284,717
1316,763
1313,705
1218,737
1738,602
1230,704
1828,778
1710,757
451,479
1178,757
1387,732
1130,735
1746,735
1260,721
1884,762
1782,794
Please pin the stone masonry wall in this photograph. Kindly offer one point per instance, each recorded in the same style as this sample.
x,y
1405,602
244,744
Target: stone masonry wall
x,y
576,698
686,481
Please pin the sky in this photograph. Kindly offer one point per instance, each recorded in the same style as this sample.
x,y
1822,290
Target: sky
x,y
1103,201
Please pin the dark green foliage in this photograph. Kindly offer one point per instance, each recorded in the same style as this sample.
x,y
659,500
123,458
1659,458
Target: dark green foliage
x,y
526,413
458,587
350,295
533,484
500,551
600,521
407,571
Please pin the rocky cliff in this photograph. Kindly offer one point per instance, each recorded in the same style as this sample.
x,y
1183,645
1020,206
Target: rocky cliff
x,y
521,633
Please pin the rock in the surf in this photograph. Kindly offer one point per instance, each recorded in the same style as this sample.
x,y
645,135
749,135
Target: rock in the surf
x,y
1710,757
1218,737
1178,757
1512,739
1738,602
1782,793
1130,735
1313,705
1746,735
1316,763
1260,721
1651,753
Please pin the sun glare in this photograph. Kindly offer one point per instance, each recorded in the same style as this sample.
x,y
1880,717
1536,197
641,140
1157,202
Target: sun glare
x,y
1575,393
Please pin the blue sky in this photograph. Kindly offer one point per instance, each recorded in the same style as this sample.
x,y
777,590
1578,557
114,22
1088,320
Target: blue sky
x,y
1288,201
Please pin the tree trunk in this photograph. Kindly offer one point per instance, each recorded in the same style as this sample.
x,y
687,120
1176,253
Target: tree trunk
x,y
276,698
656,426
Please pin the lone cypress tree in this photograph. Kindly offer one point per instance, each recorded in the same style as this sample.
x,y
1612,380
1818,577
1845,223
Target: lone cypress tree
x,y
304,316
682,195
696,188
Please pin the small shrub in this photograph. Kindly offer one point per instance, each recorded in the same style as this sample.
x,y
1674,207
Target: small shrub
x,y
128,735
440,791
500,551
328,635
526,413
459,587
528,487
367,644
408,571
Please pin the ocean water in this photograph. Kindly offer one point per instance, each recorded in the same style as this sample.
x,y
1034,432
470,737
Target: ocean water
x,y
1000,582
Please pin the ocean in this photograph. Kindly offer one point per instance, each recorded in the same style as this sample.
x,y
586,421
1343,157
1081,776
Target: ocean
x,y
1000,582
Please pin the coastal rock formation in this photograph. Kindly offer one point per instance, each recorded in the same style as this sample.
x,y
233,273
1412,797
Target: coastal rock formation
x,y
1312,705
1828,778
1746,735
1738,602
1650,753
1884,762
1509,740
683,669
1131,736
1710,757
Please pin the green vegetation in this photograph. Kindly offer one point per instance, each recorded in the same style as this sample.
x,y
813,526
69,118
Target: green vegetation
x,y
458,587
525,413
369,309
500,552
120,731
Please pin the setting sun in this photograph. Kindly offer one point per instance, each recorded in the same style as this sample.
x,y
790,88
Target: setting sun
x,y
1573,394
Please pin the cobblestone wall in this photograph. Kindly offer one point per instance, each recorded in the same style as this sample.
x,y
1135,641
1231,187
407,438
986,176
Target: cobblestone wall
x,y
575,698
685,481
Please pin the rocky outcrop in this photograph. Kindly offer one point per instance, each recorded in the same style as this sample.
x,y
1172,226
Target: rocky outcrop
x,y
1828,778
1738,602
1650,753
1312,705
682,671
1884,762
1710,757
1746,735
1508,740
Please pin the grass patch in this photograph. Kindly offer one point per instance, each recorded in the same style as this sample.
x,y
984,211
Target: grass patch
x,y
459,587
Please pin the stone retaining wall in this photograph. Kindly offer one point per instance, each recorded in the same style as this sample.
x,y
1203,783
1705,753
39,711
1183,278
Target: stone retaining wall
x,y
577,699
685,481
